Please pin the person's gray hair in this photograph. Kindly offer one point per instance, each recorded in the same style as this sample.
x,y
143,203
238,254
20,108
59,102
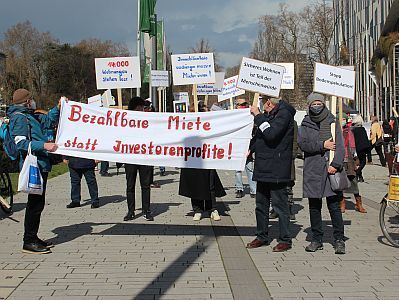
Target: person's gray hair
x,y
275,101
357,120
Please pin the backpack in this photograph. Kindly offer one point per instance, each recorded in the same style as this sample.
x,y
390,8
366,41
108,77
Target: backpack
x,y
8,142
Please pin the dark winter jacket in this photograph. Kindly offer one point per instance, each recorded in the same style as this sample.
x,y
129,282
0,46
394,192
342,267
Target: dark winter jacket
x,y
273,144
80,163
26,129
195,183
315,176
361,139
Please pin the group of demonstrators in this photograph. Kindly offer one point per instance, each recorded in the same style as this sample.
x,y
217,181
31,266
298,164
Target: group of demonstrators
x,y
269,167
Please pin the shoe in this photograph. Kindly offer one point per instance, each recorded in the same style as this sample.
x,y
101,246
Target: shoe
x,y
281,247
292,217
360,178
95,205
106,174
35,248
314,246
73,205
163,174
273,214
239,194
45,243
197,217
369,162
256,244
253,195
342,205
148,217
215,215
129,216
155,185
5,202
358,206
339,247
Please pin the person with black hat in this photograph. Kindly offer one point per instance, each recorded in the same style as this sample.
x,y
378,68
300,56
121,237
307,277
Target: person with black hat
x,y
316,141
273,143
27,133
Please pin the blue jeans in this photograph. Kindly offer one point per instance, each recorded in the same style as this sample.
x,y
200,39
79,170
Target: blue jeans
x,y
276,193
76,178
249,169
104,167
335,214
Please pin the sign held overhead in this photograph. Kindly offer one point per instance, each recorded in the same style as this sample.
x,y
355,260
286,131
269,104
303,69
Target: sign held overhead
x,y
230,89
289,76
334,81
159,78
260,77
212,88
196,68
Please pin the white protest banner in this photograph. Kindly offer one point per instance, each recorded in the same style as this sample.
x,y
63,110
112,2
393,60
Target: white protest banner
x,y
118,72
212,88
334,81
107,99
260,77
211,140
181,96
288,77
159,78
230,89
193,68
95,100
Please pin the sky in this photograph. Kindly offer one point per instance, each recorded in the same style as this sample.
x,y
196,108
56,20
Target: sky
x,y
230,26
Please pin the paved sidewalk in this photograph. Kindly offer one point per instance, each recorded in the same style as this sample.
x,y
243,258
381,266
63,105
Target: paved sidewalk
x,y
98,256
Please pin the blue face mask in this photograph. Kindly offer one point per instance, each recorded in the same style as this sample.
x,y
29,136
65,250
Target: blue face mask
x,y
316,109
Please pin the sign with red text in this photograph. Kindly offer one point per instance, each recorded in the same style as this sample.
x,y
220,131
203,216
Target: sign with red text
x,y
212,88
260,77
118,72
334,81
230,89
211,140
195,68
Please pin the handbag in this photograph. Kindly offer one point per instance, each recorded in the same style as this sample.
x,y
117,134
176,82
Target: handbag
x,y
339,181
30,179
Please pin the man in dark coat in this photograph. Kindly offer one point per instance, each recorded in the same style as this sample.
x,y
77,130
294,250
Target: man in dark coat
x,y
273,158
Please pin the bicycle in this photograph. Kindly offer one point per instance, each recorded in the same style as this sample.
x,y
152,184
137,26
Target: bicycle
x,y
389,210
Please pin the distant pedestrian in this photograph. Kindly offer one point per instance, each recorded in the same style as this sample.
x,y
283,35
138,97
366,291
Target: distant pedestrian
x,y
104,167
362,144
79,167
315,140
377,141
272,172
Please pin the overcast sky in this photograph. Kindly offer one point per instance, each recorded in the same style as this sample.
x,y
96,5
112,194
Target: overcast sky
x,y
231,26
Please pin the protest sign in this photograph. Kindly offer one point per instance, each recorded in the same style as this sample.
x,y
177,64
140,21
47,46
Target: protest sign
x,y
193,68
180,106
95,100
118,72
181,96
334,81
260,77
159,78
211,140
288,77
230,89
212,88
107,99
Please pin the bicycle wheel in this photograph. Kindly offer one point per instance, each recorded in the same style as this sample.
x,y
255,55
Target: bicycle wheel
x,y
389,220
6,194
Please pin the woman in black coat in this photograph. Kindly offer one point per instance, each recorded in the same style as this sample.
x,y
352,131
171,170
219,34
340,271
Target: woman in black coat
x,y
362,144
202,186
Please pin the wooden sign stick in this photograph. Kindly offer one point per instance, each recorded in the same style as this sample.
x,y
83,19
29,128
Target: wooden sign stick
x,y
120,104
159,99
195,97
255,103
231,103
206,100
395,112
334,113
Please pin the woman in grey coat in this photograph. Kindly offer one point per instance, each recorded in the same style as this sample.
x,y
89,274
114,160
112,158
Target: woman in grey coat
x,y
315,140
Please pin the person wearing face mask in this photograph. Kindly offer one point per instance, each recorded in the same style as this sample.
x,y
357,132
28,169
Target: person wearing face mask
x,y
273,144
27,131
315,140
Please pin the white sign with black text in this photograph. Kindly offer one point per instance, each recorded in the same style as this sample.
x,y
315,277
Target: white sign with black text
x,y
159,78
289,76
212,88
230,89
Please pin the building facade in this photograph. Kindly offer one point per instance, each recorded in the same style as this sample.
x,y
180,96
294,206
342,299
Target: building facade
x,y
365,36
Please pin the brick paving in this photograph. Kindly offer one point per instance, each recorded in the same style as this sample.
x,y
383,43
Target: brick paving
x,y
98,256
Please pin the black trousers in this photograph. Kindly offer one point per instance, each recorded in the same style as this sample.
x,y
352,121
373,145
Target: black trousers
x,y
200,205
145,173
381,155
362,162
33,212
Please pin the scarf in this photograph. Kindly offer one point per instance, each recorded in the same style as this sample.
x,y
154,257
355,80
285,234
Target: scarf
x,y
323,122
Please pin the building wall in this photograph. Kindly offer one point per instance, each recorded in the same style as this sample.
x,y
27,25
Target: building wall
x,y
359,26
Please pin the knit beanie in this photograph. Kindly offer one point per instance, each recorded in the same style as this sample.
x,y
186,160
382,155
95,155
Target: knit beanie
x,y
20,96
314,97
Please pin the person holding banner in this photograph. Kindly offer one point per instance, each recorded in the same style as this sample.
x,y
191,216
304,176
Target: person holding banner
x,y
316,141
145,173
202,186
27,132
273,158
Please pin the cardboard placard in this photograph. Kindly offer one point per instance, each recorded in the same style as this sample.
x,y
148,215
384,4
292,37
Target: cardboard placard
x,y
288,77
159,78
230,89
212,88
